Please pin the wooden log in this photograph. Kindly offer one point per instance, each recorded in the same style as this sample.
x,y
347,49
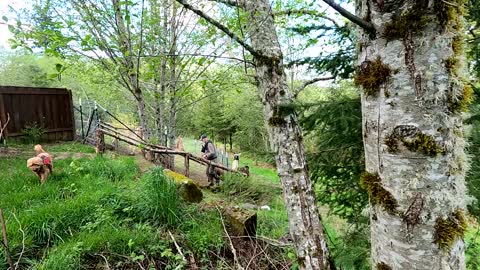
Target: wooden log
x,y
188,189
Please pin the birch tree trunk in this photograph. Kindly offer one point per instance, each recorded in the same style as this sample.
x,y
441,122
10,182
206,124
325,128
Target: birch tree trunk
x,y
284,132
131,67
286,139
414,92
160,97
172,123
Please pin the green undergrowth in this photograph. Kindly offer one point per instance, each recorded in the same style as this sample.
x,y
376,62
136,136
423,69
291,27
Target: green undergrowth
x,y
73,147
98,209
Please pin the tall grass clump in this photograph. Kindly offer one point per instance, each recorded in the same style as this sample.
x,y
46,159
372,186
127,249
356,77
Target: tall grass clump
x,y
159,198
120,169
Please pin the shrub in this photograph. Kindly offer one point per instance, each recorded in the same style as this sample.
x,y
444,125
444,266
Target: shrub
x,y
159,199
243,189
33,132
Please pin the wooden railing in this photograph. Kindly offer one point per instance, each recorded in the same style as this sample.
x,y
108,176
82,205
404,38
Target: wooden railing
x,y
109,130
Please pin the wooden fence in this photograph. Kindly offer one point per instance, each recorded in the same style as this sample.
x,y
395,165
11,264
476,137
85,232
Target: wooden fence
x,y
152,149
50,109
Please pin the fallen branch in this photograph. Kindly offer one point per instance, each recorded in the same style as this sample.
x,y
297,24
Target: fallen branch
x,y
23,241
5,241
105,259
178,248
2,128
234,251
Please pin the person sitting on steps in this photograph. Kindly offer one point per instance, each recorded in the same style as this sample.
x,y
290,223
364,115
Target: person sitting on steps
x,y
209,153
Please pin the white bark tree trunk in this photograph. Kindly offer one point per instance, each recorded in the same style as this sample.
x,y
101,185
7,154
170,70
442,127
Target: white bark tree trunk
x,y
413,93
131,67
160,96
284,132
286,139
172,123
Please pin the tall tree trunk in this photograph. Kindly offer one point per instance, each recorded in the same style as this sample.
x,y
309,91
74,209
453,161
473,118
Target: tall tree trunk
x,y
161,115
413,94
305,226
160,112
173,82
131,67
142,113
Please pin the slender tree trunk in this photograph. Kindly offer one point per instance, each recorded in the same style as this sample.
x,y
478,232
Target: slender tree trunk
x,y
131,67
159,113
142,113
305,226
173,83
413,94
161,119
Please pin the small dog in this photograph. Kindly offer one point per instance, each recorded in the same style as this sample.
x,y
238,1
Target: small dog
x,y
37,166
41,164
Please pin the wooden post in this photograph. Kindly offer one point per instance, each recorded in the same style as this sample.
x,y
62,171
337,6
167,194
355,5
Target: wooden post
x,y
99,142
187,165
5,240
81,120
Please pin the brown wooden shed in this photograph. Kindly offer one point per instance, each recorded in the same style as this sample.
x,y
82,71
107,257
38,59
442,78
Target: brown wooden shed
x,y
49,108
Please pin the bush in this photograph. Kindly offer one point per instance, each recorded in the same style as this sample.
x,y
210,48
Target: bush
x,y
33,132
243,189
159,198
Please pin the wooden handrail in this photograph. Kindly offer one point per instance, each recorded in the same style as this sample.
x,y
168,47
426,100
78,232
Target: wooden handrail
x,y
110,131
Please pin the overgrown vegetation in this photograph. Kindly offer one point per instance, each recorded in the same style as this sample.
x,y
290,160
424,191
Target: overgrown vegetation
x,y
334,146
33,132
94,211
89,213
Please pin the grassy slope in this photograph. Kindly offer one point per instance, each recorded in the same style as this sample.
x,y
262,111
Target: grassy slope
x,y
91,208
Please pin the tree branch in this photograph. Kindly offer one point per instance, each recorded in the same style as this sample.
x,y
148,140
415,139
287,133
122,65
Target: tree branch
x,y
312,81
220,26
356,20
232,3
314,13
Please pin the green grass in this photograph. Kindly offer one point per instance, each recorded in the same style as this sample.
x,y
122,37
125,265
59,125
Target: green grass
x,y
98,208
73,147
80,203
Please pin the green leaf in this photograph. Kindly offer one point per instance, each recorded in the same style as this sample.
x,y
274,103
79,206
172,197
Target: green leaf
x,y
5,18
58,67
201,61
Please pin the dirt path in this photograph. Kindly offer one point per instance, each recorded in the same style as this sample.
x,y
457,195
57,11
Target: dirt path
x,y
197,171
